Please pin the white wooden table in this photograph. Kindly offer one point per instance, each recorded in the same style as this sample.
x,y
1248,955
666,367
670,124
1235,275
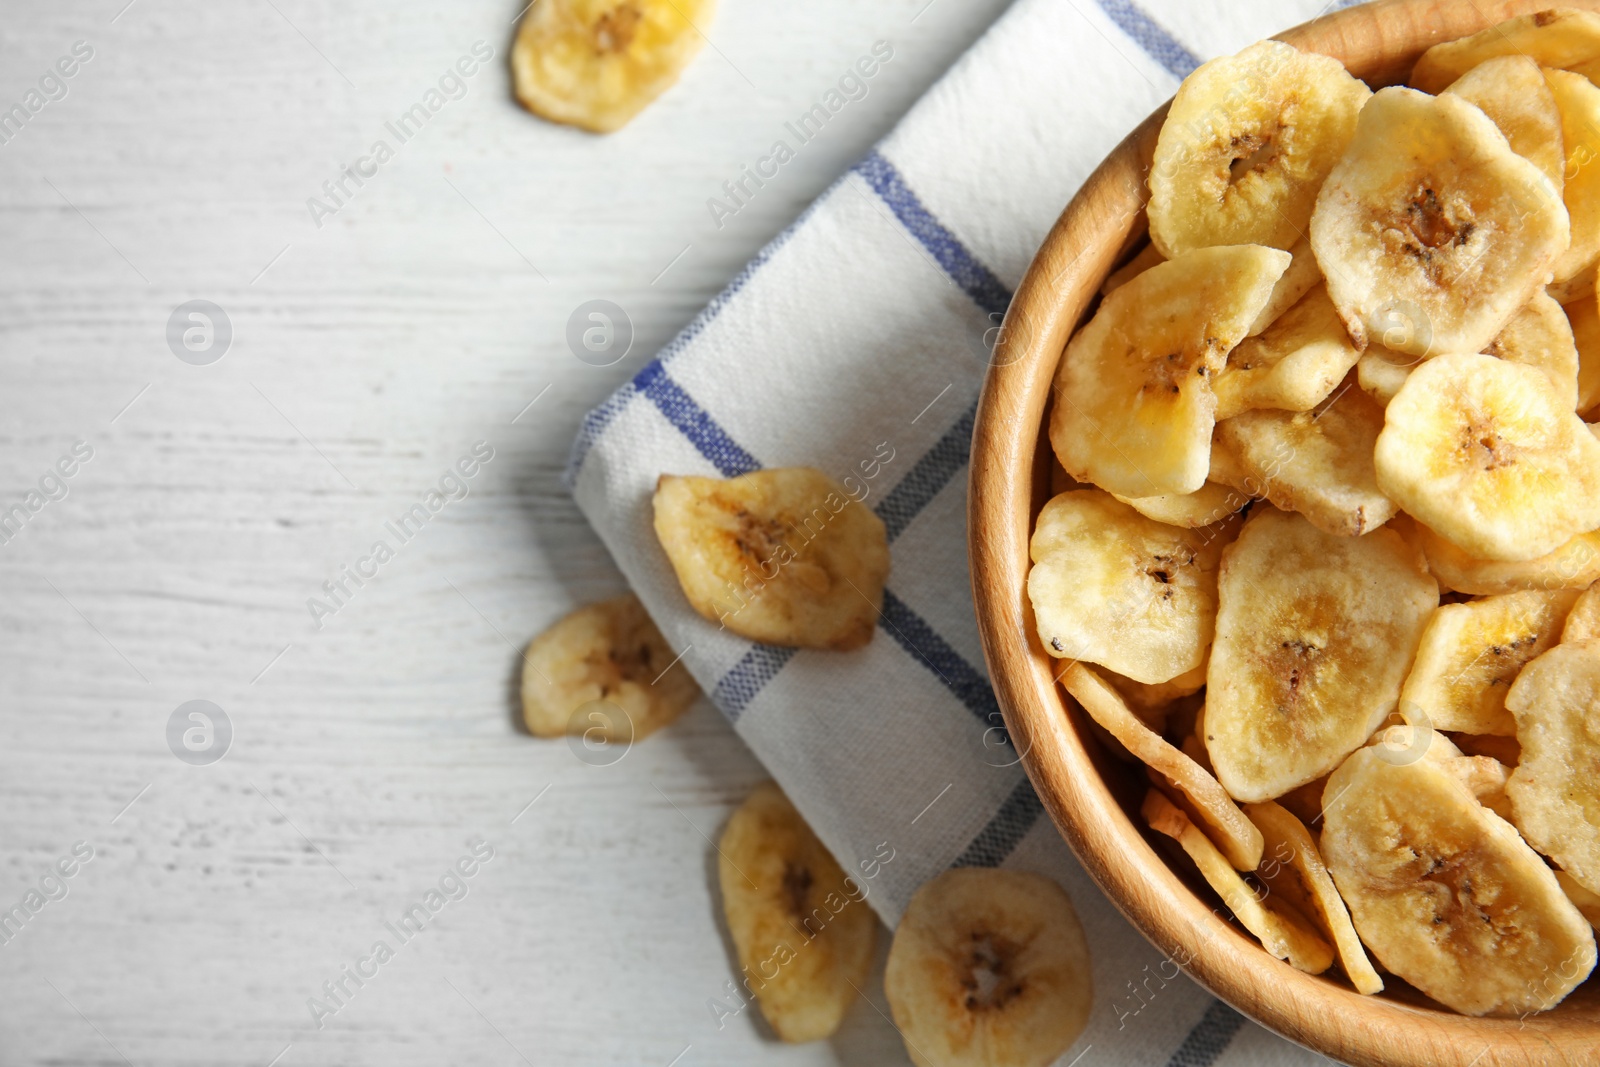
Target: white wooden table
x,y
367,356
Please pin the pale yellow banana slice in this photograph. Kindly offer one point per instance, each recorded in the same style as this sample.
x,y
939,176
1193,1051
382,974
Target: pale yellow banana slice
x,y
1555,790
609,652
784,557
1485,777
989,968
1431,231
1539,335
1235,834
1152,702
803,930
598,63
1247,141
1302,276
1304,802
1583,315
1382,371
1147,258
1575,565
1281,930
1314,635
1488,454
1112,587
1560,37
1293,366
1472,652
1134,408
1318,462
1578,100
1210,504
1583,621
1586,902
1292,867
1513,92
1445,893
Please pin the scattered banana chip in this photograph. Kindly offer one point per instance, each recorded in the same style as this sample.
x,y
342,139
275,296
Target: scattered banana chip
x,y
1236,835
598,63
1575,565
1583,621
1583,315
1586,902
1134,408
1247,141
1292,867
1281,930
1578,100
1471,653
1381,372
1487,454
1206,506
1113,587
1293,366
1513,92
989,968
1556,38
610,652
1539,335
1432,248
803,930
1319,462
1302,276
1555,790
1444,892
784,557
1314,635
1147,258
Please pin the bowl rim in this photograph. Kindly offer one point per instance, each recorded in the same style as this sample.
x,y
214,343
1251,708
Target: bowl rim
x,y
1377,41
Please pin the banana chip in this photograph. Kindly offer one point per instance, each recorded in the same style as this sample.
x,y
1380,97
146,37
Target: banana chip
x,y
1555,790
1293,366
598,63
1318,463
1147,258
1471,653
1113,587
1247,141
1304,802
1292,868
1281,930
989,968
1578,100
784,557
1540,336
1583,621
1152,702
1431,231
1314,635
1485,778
1556,38
1302,276
1134,408
1586,902
1583,315
802,929
1381,372
1487,454
1575,565
611,652
1513,92
1235,834
1444,892
1206,506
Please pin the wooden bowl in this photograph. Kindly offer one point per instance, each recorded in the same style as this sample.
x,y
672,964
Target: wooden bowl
x,y
1094,799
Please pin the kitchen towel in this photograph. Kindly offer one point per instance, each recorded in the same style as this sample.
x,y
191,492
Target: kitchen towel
x,y
856,342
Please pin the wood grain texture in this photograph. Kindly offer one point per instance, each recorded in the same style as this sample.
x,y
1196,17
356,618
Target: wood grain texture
x,y
1094,800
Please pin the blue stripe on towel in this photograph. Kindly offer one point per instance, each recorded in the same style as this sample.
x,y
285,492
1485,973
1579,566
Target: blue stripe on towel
x,y
694,422
1209,1038
1009,826
736,689
975,279
928,476
1151,36
960,677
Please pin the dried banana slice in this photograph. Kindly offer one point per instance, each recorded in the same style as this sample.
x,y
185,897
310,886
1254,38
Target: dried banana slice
x,y
598,63
1578,100
1555,38
1444,892
1583,315
1381,372
1281,930
1246,143
1575,565
1471,653
1513,92
1113,587
1293,366
1314,636
1236,835
1485,778
1147,258
1317,462
1555,790
1302,276
611,652
1153,701
1586,902
1134,408
988,968
1539,335
1583,621
1292,867
1487,454
1207,506
1431,231
1304,802
802,928
784,557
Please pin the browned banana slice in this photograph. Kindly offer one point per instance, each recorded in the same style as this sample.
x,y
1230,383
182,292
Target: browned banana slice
x,y
1293,366
1558,37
